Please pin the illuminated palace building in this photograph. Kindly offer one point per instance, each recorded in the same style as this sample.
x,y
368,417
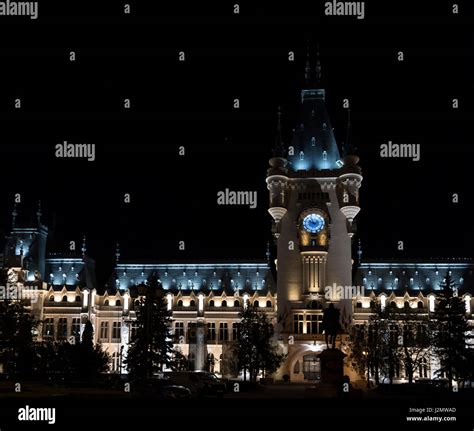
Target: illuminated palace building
x,y
314,190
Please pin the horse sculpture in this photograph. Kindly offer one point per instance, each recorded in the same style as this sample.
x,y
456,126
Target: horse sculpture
x,y
331,325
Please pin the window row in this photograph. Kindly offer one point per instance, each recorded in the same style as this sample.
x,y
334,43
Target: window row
x,y
214,332
104,332
307,323
59,329
65,298
224,303
314,196
392,304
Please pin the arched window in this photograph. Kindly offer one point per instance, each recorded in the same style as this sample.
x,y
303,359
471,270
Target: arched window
x,y
358,304
406,305
256,304
180,303
137,302
420,304
211,303
224,303
192,303
236,303
65,298
78,298
269,304
372,304
118,303
106,302
51,298
393,304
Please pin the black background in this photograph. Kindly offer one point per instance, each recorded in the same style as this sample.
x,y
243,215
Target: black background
x,y
191,104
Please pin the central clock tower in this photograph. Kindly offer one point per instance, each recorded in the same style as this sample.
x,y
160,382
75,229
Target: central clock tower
x,y
314,198
313,241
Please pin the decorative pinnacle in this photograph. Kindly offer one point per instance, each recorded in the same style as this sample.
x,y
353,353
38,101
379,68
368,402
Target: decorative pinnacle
x,y
279,150
318,66
39,212
307,69
117,253
14,214
83,249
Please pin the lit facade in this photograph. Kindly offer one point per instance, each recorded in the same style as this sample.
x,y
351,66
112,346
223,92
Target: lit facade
x,y
314,186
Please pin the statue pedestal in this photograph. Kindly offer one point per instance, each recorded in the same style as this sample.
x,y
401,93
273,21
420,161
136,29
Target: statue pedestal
x,y
332,372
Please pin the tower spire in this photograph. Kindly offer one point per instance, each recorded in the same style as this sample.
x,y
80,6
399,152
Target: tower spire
x,y
317,69
279,150
348,144
39,213
117,253
307,69
83,249
14,214
359,251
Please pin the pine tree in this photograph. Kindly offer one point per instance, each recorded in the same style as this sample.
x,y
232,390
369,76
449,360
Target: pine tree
x,y
255,349
17,325
93,360
83,360
451,326
152,348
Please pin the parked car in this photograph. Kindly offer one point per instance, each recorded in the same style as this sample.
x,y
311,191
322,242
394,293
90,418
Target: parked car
x,y
160,388
200,383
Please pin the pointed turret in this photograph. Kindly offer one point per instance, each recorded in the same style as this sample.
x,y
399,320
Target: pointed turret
x,y
349,182
83,248
313,145
39,213
14,214
279,149
276,179
117,253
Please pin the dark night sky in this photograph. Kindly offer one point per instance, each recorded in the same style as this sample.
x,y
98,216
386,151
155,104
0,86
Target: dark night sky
x,y
190,104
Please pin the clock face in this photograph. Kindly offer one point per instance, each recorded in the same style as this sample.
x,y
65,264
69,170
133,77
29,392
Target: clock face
x,y
313,223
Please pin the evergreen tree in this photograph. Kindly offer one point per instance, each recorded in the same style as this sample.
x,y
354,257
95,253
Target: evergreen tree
x,y
255,350
451,328
17,325
83,360
152,348
93,360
